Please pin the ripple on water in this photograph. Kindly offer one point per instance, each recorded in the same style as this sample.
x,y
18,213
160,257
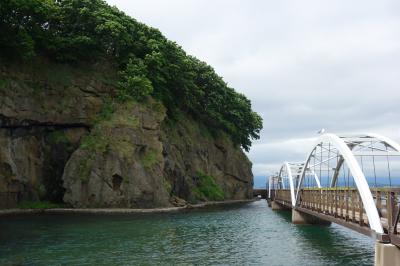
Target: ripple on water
x,y
247,234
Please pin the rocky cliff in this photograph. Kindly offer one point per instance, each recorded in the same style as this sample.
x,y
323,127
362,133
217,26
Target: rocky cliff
x,y
64,140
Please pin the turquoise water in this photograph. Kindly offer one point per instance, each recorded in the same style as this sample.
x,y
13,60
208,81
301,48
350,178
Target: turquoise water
x,y
246,234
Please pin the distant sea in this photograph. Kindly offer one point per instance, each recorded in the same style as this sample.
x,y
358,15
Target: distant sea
x,y
260,181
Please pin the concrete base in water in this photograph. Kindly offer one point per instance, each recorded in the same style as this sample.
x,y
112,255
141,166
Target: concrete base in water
x,y
386,255
304,218
276,206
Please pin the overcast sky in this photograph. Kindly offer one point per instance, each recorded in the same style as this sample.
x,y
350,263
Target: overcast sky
x,y
305,65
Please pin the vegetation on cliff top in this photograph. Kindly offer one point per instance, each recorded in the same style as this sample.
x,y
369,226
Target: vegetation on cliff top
x,y
72,31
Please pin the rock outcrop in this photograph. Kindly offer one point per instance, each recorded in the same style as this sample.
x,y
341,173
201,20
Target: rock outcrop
x,y
62,140
32,161
120,163
189,149
40,94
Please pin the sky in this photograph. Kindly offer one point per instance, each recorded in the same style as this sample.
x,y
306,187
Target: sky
x,y
305,65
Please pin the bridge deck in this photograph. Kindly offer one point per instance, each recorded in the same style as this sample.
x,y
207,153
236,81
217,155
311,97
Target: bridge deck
x,y
345,207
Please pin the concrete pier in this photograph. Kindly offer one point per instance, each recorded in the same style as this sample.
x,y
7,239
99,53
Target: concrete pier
x,y
277,207
386,254
304,218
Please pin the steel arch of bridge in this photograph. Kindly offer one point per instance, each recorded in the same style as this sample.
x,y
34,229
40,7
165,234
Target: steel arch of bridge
x,y
290,172
346,149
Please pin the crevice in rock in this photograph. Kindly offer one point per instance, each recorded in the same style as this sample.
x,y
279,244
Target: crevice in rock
x,y
220,147
237,178
116,182
13,123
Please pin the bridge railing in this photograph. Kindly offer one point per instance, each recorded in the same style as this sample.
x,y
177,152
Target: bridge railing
x,y
283,196
346,204
341,203
387,202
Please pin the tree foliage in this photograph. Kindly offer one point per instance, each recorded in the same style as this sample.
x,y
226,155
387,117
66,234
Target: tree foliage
x,y
70,31
133,81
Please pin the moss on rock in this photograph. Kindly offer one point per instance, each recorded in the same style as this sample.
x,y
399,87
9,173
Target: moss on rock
x,y
207,189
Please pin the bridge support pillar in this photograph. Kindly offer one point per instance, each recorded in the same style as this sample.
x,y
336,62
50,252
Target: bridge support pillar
x,y
386,254
304,218
276,206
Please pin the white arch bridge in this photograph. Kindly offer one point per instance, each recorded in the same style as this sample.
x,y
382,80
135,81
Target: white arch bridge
x,y
353,181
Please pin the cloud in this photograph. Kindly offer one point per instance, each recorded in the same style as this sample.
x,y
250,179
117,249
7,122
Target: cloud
x,y
305,65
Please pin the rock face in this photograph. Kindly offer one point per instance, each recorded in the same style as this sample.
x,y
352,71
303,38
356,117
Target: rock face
x,y
44,112
120,163
188,149
145,162
32,162
40,94
62,140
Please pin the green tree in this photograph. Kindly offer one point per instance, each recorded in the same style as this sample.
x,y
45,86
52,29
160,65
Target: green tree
x,y
134,83
24,27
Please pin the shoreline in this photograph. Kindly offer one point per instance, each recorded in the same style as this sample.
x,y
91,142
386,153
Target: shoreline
x,y
6,212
